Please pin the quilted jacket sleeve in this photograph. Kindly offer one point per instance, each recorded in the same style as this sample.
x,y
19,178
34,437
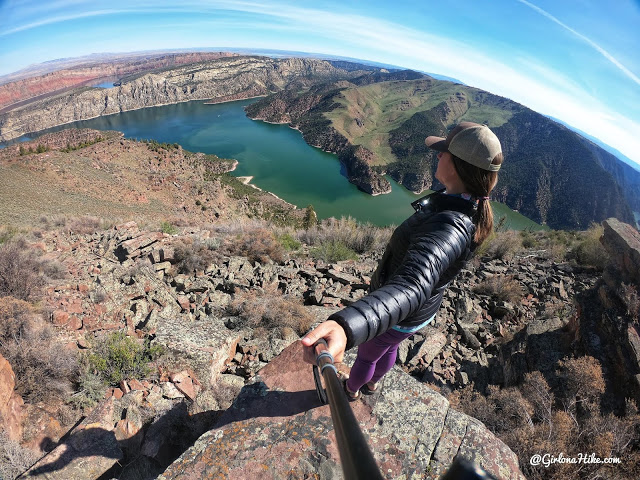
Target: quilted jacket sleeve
x,y
444,238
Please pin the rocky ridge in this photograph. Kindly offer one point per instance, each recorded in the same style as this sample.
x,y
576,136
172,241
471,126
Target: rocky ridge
x,y
128,281
87,172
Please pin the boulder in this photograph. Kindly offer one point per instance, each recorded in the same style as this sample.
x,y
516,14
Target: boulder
x,y
206,344
622,241
277,428
430,348
10,402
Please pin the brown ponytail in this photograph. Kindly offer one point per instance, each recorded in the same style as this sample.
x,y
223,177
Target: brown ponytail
x,y
479,183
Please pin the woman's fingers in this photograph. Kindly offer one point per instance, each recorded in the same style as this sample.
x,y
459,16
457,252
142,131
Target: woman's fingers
x,y
333,334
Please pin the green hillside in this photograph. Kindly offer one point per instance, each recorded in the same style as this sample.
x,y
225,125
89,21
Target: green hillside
x,y
367,115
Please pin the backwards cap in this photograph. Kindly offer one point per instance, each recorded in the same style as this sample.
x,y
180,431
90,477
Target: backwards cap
x,y
474,143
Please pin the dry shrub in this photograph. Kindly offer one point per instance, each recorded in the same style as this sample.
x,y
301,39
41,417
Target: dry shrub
x,y
533,419
536,390
21,271
254,239
14,458
502,410
7,232
192,255
358,237
269,309
501,287
44,369
589,251
260,246
85,225
583,384
500,245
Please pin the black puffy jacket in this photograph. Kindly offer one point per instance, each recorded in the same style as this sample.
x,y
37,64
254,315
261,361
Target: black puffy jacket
x,y
423,255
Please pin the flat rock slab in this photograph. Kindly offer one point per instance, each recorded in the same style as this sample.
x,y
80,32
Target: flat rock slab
x,y
278,429
207,343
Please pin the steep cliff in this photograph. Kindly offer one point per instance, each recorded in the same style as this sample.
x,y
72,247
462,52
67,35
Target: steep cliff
x,y
305,112
219,80
626,176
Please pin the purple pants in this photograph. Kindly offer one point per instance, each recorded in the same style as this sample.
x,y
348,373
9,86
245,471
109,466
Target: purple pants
x,y
375,358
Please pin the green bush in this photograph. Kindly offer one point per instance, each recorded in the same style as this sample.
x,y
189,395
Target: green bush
x,y
310,218
166,227
528,239
333,251
288,242
91,388
118,357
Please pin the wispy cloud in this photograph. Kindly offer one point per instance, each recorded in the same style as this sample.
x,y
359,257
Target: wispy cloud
x,y
56,19
586,39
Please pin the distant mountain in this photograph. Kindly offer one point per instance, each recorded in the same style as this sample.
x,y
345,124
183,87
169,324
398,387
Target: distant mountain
x,y
377,124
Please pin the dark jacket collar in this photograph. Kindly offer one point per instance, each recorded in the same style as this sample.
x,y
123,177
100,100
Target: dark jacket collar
x,y
440,201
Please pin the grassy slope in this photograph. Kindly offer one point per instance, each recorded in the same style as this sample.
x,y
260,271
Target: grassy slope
x,y
385,106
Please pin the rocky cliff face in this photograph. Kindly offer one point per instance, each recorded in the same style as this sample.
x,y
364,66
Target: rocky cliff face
x,y
220,80
624,175
551,177
21,90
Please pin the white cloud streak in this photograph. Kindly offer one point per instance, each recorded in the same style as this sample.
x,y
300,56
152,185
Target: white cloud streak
x,y
586,39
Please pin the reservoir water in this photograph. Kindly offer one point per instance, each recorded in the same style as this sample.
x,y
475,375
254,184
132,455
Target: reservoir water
x,y
276,156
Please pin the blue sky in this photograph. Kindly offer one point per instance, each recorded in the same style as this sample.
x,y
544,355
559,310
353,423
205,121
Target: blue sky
x,y
575,60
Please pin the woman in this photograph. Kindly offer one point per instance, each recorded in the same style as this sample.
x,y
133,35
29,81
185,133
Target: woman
x,y
423,255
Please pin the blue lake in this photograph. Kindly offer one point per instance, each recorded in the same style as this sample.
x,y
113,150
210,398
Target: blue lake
x,y
276,156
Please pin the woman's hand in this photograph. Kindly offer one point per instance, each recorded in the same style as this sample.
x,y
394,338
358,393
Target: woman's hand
x,y
336,339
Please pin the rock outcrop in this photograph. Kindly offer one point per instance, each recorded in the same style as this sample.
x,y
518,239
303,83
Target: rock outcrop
x,y
278,428
609,325
90,450
10,402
